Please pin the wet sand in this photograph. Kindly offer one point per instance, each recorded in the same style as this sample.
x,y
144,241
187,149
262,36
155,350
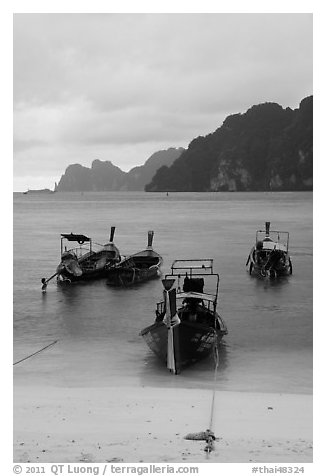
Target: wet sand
x,y
145,424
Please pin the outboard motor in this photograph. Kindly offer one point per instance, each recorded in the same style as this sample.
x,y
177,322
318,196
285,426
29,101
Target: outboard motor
x,y
193,284
273,259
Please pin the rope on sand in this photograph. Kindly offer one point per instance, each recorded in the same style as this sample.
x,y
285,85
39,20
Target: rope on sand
x,y
208,435
37,352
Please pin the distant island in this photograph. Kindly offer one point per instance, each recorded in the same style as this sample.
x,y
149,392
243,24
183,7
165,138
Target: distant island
x,y
267,148
42,190
105,176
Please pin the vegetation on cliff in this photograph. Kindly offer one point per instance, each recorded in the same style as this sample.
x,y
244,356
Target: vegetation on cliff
x,y
266,148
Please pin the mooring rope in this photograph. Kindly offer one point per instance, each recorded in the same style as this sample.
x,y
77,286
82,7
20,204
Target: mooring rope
x,y
98,244
217,361
37,352
210,434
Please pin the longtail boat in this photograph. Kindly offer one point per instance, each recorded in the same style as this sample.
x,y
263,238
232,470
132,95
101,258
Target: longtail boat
x,y
136,268
83,262
269,257
187,326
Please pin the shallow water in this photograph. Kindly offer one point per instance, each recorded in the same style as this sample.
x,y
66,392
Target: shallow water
x,y
269,345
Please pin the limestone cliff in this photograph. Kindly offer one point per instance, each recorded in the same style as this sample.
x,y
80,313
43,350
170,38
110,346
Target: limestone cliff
x,y
266,148
105,176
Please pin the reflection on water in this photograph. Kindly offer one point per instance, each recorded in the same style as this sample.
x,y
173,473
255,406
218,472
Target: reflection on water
x,y
269,283
201,373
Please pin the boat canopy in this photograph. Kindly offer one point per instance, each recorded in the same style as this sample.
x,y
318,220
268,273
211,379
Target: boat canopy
x,y
271,245
73,237
193,295
274,239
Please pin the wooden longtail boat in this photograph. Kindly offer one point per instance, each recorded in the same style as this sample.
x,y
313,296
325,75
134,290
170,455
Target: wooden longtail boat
x,y
136,268
187,326
269,257
82,263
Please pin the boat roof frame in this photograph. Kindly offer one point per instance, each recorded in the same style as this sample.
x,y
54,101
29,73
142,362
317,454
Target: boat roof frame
x,y
204,264
74,237
187,271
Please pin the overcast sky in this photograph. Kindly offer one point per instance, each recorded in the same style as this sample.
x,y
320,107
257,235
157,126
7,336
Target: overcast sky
x,y
120,87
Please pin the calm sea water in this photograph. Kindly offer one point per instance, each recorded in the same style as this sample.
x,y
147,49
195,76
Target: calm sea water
x,y
269,345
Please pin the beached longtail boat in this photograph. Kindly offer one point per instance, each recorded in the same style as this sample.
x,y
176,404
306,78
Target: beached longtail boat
x,y
136,268
187,326
82,262
269,257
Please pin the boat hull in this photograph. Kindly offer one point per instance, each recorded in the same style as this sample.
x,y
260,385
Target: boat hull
x,y
129,276
95,267
192,341
136,268
87,275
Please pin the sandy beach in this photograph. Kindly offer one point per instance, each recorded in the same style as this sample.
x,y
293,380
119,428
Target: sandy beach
x,y
145,424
